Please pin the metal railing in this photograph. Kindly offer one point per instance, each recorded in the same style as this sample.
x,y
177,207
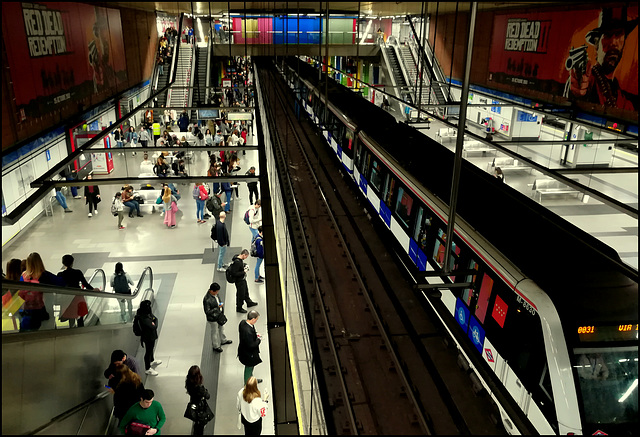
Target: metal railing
x,y
102,307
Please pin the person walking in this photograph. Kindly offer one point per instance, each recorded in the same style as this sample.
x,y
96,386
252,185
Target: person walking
x,y
118,136
215,205
252,407
214,311
132,138
258,240
255,219
127,392
119,209
144,136
77,309
147,412
249,346
239,273
92,197
222,237
118,358
120,282
198,395
253,186
148,324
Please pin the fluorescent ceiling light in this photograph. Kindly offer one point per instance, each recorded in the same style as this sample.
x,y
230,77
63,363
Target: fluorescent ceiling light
x,y
628,392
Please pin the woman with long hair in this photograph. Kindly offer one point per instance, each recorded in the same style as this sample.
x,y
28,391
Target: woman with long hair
x,y
120,282
92,196
34,311
252,407
198,395
149,325
170,211
127,392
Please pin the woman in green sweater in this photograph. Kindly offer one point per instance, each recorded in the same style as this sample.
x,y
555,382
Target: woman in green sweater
x,y
147,412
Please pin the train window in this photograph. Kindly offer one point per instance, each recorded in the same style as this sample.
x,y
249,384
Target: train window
x,y
468,293
389,190
359,156
377,173
347,140
483,299
439,249
404,206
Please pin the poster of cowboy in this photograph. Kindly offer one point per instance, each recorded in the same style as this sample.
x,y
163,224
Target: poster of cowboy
x,y
588,57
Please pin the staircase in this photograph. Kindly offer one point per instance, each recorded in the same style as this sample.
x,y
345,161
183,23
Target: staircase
x,y
180,97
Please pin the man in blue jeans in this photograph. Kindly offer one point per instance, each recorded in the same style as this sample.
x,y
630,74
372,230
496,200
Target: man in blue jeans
x,y
61,199
223,239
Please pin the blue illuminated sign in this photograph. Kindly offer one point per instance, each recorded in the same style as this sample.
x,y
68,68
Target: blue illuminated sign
x,y
476,333
462,314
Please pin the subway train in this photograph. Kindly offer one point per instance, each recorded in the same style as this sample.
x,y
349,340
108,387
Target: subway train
x,y
545,315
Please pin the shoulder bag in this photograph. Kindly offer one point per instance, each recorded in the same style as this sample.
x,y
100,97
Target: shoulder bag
x,y
200,412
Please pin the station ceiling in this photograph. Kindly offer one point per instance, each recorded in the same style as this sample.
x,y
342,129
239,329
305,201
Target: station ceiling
x,y
368,8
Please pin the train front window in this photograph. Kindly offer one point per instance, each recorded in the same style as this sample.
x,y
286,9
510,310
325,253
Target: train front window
x,y
608,379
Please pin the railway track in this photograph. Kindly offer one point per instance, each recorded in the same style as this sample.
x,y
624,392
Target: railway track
x,y
385,365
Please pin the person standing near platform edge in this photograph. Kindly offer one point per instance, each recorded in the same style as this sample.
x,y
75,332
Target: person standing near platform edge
x,y
239,273
249,347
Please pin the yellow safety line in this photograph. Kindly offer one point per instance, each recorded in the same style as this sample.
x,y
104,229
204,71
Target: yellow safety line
x,y
294,375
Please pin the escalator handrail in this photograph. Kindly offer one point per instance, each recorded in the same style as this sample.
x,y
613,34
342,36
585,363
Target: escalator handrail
x,y
70,412
45,288
104,278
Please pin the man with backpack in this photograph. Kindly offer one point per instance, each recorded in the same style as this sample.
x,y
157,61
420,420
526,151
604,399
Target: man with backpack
x,y
257,250
120,282
237,274
215,205
254,219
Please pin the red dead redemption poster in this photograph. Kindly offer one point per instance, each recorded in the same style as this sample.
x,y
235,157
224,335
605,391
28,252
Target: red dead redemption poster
x,y
60,53
588,56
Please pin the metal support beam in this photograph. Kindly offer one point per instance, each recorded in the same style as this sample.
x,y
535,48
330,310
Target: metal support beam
x,y
453,200
456,285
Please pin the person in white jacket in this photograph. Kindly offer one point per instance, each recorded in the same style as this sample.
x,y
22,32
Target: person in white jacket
x,y
255,219
252,407
119,209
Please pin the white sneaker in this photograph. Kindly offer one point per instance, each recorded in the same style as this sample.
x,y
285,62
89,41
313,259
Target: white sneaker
x,y
162,214
95,212
151,372
156,362
89,215
221,270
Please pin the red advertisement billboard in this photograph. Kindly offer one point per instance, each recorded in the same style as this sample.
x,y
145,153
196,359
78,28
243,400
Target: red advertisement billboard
x,y
61,52
587,56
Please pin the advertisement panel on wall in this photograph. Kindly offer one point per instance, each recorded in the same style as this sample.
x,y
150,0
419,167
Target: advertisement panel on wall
x,y
586,56
61,52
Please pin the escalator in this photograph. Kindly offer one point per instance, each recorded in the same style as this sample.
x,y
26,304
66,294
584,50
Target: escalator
x,y
200,78
396,70
49,374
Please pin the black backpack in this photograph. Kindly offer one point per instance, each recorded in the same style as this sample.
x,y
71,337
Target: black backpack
x,y
214,233
120,284
229,275
137,326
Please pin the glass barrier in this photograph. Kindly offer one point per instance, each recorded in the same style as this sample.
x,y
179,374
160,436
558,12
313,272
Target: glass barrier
x,y
30,306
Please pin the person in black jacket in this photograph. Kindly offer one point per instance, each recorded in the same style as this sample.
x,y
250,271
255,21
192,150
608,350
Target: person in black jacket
x,y
77,309
249,347
222,237
149,325
239,272
198,395
92,196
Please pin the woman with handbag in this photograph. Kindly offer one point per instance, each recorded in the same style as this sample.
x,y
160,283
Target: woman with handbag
x,y
252,407
77,309
198,408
